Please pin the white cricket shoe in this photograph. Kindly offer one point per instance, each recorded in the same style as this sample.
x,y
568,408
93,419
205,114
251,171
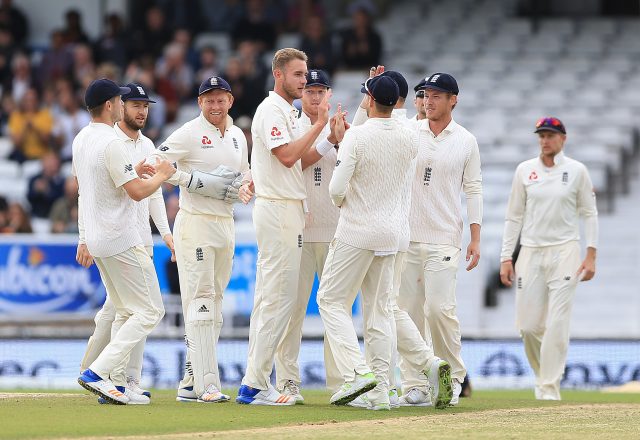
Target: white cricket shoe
x,y
439,377
186,394
350,390
415,397
362,401
102,387
135,398
254,396
394,400
292,389
134,385
457,389
213,395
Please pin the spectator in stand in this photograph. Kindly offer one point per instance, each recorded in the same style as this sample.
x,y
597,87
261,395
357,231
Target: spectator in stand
x,y
222,15
253,66
21,78
64,212
184,37
208,64
361,44
4,213
174,78
47,187
30,128
73,31
68,123
246,94
83,64
317,44
255,26
152,37
112,45
57,62
299,14
18,220
15,20
7,50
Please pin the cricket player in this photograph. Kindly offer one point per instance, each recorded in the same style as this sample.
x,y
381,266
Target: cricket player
x,y
204,231
136,111
278,216
448,162
319,229
367,186
548,196
108,185
418,101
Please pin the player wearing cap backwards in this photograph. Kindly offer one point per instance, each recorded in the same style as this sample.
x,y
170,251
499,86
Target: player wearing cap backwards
x,y
136,110
204,230
548,195
320,225
372,159
448,162
279,144
108,185
418,100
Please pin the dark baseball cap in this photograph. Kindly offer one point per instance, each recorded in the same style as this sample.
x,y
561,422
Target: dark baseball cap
x,y
317,77
137,93
443,82
101,90
214,82
403,86
421,85
383,89
550,124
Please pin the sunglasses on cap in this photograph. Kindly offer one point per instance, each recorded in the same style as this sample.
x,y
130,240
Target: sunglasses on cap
x,y
550,123
420,94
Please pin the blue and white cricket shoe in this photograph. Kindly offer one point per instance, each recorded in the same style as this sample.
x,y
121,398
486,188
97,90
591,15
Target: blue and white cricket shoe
x,y
253,396
134,398
102,387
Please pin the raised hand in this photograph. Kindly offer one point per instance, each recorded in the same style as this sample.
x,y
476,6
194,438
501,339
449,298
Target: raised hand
x,y
165,168
144,170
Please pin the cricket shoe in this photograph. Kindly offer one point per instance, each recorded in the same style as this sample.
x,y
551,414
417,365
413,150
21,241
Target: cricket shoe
x,y
103,388
394,400
457,389
186,394
134,398
292,389
362,401
415,397
213,395
439,377
134,385
350,390
253,396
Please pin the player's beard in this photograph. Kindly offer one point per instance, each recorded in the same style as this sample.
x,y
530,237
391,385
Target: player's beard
x,y
132,123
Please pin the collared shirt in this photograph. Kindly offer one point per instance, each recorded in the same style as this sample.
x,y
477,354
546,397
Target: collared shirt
x,y
275,123
446,165
103,164
546,202
199,145
153,205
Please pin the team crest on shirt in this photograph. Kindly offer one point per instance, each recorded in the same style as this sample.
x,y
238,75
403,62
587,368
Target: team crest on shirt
x,y
317,176
533,176
128,168
565,177
427,176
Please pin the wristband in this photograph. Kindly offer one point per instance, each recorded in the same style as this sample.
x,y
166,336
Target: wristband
x,y
324,147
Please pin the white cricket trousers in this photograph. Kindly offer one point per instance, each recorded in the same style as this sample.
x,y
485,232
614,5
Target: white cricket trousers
x,y
545,285
132,285
107,323
428,295
279,225
204,246
311,263
346,269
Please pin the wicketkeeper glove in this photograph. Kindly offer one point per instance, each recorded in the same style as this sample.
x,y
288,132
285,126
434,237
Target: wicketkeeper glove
x,y
232,195
214,184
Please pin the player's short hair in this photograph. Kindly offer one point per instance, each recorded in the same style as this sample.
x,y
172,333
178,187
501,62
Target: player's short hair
x,y
384,109
283,56
96,111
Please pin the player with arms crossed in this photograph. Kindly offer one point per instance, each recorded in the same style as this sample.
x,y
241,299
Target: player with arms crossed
x,y
107,187
548,196
204,230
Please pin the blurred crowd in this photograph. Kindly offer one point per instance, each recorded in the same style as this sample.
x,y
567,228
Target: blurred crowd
x,y
41,97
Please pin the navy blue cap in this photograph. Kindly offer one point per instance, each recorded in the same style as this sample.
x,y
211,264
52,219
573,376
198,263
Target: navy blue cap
x,y
443,82
550,124
383,89
214,82
137,93
403,87
421,85
317,77
101,90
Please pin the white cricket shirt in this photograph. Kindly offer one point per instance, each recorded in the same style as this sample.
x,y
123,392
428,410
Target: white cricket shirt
x,y
447,164
102,164
199,145
545,204
275,123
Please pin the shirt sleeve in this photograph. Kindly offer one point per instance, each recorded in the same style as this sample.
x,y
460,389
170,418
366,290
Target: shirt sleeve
x,y
587,208
244,161
345,167
119,163
174,149
515,216
472,185
274,128
158,212
360,117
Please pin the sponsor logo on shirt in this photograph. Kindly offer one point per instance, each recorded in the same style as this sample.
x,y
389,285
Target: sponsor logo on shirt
x,y
128,168
533,176
235,143
275,132
317,176
199,184
206,142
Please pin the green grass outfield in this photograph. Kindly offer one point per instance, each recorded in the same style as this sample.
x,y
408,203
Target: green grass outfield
x,y
486,415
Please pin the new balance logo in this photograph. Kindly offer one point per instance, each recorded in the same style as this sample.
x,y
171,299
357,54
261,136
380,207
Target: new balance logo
x,y
427,176
199,184
567,278
446,259
203,309
299,240
338,163
163,148
199,254
317,176
128,168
